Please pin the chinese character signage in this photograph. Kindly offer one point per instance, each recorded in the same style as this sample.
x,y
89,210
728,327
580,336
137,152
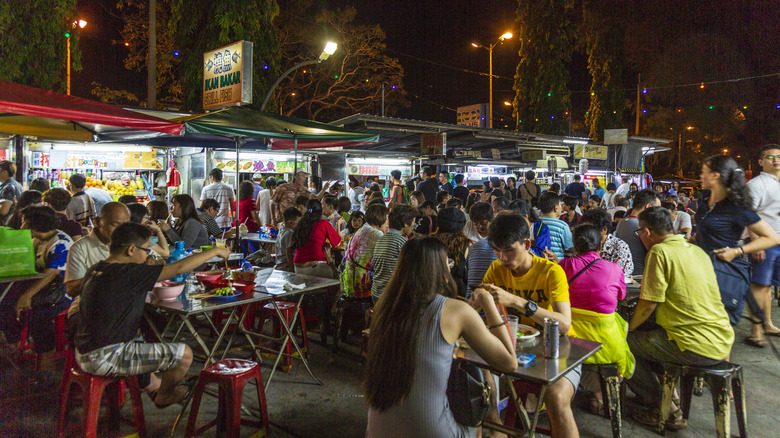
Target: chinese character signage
x,y
227,76
253,166
433,144
369,170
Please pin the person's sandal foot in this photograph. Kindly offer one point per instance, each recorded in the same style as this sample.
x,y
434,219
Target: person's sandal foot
x,y
756,342
594,405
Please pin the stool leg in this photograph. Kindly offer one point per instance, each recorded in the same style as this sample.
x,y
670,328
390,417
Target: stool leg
x,y
669,382
698,386
67,386
138,406
261,402
687,388
233,405
612,399
92,407
721,404
304,333
739,402
195,405
113,393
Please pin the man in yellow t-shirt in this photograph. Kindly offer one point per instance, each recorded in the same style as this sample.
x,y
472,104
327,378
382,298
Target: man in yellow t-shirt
x,y
679,284
537,288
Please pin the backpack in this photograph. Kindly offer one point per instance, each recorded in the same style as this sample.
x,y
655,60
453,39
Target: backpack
x,y
526,194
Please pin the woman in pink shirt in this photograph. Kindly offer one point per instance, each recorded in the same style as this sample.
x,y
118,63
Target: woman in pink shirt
x,y
599,284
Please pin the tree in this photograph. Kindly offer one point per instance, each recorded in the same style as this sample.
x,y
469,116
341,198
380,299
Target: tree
x,y
33,44
135,36
348,82
603,34
197,26
546,40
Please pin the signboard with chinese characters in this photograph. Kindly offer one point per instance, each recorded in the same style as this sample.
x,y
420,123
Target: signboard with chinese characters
x,y
433,144
254,166
40,159
372,170
590,152
487,170
473,115
227,76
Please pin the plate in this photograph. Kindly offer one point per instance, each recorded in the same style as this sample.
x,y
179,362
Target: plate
x,y
527,331
226,297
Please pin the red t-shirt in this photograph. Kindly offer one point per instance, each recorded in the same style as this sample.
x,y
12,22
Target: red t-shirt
x,y
245,207
321,232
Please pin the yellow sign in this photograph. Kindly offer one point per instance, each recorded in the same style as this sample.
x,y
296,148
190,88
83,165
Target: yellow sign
x,y
227,75
590,151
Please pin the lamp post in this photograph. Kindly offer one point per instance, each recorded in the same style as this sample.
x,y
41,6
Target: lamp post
x,y
76,23
329,49
489,48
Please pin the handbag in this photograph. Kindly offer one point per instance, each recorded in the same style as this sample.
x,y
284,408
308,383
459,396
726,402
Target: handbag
x,y
51,294
16,252
468,393
734,284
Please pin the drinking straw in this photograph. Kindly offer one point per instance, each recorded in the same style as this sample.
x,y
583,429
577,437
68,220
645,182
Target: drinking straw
x,y
503,310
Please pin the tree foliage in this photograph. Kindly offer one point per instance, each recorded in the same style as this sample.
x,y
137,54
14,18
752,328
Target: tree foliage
x,y
136,34
348,82
603,33
546,43
196,27
33,46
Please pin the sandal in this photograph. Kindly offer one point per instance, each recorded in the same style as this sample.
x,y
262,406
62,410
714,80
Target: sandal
x,y
189,384
594,405
755,342
775,332
649,417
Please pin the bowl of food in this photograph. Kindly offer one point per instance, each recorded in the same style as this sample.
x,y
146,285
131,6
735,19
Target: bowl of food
x,y
209,276
243,286
167,290
526,333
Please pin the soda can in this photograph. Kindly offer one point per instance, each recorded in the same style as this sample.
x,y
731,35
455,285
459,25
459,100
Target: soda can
x,y
551,339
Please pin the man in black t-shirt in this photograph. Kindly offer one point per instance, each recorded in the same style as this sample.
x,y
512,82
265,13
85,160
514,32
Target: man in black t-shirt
x,y
428,185
113,298
461,191
576,188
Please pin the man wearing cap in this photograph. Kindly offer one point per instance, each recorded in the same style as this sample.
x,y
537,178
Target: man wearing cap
x,y
285,194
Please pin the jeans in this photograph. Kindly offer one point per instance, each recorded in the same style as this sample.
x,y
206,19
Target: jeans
x,y
40,320
655,347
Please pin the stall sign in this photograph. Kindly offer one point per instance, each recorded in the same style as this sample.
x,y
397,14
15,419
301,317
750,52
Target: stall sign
x,y
227,76
41,159
433,144
369,170
590,152
287,166
89,161
248,165
473,115
487,170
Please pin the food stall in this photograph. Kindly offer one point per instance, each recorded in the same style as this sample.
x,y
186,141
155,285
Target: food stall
x,y
376,169
117,169
257,165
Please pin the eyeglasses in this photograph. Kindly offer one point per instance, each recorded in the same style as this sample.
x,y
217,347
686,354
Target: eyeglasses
x,y
636,232
771,157
146,250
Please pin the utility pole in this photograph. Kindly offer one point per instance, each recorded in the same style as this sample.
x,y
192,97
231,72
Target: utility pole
x,y
638,88
679,155
151,63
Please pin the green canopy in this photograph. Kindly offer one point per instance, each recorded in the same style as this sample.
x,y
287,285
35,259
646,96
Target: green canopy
x,y
281,131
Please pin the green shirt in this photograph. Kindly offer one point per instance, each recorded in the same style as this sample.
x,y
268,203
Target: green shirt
x,y
679,277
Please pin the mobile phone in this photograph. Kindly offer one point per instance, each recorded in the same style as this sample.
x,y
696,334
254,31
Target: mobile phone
x,y
525,359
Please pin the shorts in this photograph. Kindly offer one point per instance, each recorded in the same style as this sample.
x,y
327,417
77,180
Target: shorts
x,y
767,273
131,358
574,376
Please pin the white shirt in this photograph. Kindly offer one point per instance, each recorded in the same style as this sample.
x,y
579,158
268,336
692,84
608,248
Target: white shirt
x,y
765,191
223,194
471,232
264,207
683,220
355,195
83,254
623,189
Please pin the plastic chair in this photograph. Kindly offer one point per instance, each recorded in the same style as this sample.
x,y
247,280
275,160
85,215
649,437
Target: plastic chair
x,y
231,375
287,309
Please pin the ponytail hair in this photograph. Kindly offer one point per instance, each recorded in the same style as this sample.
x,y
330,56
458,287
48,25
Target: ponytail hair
x,y
733,178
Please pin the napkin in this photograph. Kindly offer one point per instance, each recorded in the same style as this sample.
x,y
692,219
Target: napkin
x,y
289,286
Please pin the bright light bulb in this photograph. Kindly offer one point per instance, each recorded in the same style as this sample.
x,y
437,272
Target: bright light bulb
x,y
475,44
506,36
330,48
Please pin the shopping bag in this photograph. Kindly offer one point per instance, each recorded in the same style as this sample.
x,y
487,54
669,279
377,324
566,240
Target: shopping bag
x,y
17,256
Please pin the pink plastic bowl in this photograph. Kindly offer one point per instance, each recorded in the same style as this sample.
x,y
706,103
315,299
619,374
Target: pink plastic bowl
x,y
209,276
168,290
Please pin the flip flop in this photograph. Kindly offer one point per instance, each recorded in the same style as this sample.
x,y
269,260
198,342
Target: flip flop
x,y
774,333
755,342
189,384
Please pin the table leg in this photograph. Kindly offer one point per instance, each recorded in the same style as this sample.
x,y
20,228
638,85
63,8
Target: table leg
x,y
153,326
522,414
532,430
289,337
7,288
221,335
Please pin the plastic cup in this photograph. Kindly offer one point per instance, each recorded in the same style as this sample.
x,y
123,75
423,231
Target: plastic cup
x,y
220,243
512,321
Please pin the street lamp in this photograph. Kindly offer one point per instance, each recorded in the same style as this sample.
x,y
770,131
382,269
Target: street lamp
x,y
330,48
81,24
503,37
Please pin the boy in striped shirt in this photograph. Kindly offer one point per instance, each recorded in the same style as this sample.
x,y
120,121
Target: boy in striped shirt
x,y
560,233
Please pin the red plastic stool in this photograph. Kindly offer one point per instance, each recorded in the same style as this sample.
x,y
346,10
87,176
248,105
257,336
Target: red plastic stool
x,y
92,388
287,309
60,342
230,375
218,317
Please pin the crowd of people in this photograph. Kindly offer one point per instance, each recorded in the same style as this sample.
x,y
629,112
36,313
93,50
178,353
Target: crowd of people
x,y
429,256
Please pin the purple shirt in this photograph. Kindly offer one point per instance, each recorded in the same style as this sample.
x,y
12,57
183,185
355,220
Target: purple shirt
x,y
599,288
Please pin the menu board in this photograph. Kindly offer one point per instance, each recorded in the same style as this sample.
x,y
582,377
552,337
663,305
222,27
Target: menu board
x,y
254,166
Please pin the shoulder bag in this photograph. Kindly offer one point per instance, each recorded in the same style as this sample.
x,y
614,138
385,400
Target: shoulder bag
x,y
468,393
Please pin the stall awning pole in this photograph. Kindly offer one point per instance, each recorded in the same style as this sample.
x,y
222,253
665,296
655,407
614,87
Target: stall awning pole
x,y
295,159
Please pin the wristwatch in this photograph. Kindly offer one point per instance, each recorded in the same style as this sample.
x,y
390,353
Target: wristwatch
x,y
530,308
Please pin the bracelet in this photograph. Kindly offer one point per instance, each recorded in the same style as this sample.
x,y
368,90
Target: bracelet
x,y
742,249
497,325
